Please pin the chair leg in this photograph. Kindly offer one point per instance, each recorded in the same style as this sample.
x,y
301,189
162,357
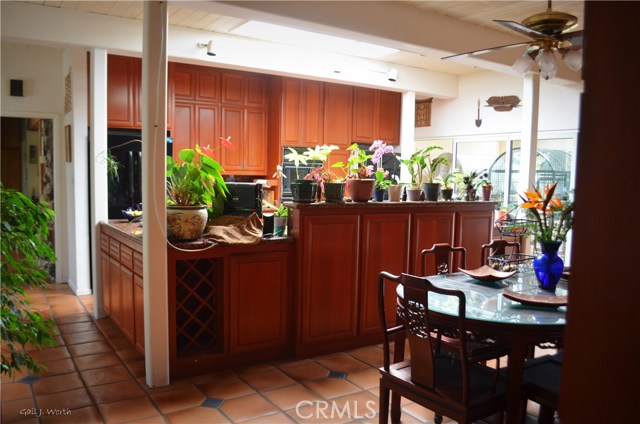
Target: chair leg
x,y
383,417
437,419
395,408
545,415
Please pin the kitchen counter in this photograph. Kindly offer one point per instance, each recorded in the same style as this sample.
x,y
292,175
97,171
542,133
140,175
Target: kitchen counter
x,y
391,205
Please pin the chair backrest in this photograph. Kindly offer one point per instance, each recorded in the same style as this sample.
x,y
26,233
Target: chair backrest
x,y
422,342
497,247
444,256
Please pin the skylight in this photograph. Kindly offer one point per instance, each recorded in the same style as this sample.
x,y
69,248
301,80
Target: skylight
x,y
312,40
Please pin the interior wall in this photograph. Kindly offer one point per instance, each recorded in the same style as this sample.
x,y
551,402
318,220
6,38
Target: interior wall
x,y
559,108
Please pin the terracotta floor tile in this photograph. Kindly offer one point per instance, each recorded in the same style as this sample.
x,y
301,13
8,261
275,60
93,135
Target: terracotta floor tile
x,y
320,412
63,310
137,369
254,369
77,327
128,410
112,332
279,418
153,420
88,415
341,362
358,406
175,384
17,410
130,355
331,387
68,319
266,380
100,360
50,354
84,337
366,378
112,392
72,399
106,375
14,391
213,377
372,355
197,415
176,400
120,343
290,396
60,366
91,348
58,383
303,370
226,388
419,413
247,407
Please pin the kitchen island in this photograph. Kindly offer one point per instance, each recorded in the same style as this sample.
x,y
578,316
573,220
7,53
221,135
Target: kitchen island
x,y
308,294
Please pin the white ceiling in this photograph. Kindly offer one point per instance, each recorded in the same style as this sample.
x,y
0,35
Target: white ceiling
x,y
480,13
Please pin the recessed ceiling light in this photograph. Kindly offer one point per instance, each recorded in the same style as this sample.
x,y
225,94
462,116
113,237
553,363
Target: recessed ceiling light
x,y
308,39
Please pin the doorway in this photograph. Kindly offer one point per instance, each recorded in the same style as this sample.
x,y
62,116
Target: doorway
x,y
27,162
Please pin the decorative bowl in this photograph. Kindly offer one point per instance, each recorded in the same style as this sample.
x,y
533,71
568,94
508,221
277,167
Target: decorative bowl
x,y
486,273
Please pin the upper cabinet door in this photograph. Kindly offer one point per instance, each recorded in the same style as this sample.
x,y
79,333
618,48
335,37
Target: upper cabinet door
x,y
313,113
338,105
184,82
364,115
376,115
390,105
255,91
232,89
122,86
232,126
255,141
207,85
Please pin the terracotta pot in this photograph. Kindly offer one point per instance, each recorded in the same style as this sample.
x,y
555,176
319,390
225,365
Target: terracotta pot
x,y
186,222
486,193
361,190
395,192
413,194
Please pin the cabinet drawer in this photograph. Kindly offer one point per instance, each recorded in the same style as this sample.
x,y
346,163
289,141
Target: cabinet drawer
x,y
104,242
137,263
114,248
126,256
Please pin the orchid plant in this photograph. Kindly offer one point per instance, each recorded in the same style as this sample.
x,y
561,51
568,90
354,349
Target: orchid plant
x,y
553,217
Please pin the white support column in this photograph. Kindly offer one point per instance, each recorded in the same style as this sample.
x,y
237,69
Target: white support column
x,y
529,140
154,243
407,129
97,147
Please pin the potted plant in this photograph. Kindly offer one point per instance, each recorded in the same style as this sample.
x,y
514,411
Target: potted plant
x,y
359,181
381,185
447,186
468,183
331,185
24,241
431,187
394,190
196,192
486,186
280,218
304,190
415,165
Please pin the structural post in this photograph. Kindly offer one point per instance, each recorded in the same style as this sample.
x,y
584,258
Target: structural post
x,y
529,139
154,134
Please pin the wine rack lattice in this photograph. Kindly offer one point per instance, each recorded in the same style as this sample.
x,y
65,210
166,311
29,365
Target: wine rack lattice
x,y
198,306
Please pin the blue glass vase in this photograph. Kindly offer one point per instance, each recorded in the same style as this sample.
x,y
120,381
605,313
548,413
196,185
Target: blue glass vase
x,y
548,266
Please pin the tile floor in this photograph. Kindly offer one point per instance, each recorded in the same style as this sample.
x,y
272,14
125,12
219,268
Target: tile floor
x,y
96,376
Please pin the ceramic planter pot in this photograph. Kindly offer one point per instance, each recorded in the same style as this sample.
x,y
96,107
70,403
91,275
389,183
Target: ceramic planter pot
x,y
395,192
447,193
413,194
378,194
361,190
186,222
304,191
334,192
486,193
431,191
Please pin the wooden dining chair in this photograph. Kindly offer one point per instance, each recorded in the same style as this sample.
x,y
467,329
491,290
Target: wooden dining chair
x,y
449,385
497,247
444,259
542,384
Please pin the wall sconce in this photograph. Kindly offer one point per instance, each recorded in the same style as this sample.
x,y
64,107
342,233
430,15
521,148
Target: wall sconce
x,y
209,47
392,75
503,103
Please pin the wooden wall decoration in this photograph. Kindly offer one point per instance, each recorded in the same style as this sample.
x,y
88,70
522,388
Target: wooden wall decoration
x,y
423,112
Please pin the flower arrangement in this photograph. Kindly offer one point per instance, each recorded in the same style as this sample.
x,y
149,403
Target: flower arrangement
x,y
553,217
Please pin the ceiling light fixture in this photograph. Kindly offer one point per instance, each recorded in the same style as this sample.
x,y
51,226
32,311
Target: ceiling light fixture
x,y
545,56
392,75
209,47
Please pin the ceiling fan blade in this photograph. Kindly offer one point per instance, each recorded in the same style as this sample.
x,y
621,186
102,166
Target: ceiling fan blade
x,y
575,37
515,26
483,51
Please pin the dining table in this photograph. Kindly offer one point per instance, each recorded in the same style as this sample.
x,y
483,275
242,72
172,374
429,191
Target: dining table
x,y
514,311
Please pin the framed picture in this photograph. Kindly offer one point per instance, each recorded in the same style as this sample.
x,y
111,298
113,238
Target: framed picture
x,y
423,113
67,143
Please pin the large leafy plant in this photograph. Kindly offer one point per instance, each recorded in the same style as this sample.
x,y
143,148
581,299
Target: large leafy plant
x,y
196,181
431,164
25,231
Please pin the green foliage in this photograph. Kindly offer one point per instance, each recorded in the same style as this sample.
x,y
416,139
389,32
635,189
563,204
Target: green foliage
x,y
282,211
381,182
421,162
318,154
356,166
25,230
197,181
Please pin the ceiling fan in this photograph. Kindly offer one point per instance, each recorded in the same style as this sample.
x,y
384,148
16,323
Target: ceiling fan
x,y
548,31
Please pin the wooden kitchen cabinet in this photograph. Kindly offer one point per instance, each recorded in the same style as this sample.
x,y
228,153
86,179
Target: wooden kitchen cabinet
x,y
376,115
196,124
260,304
247,128
127,310
196,83
428,229
138,308
329,282
385,247
473,228
338,105
302,117
115,288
